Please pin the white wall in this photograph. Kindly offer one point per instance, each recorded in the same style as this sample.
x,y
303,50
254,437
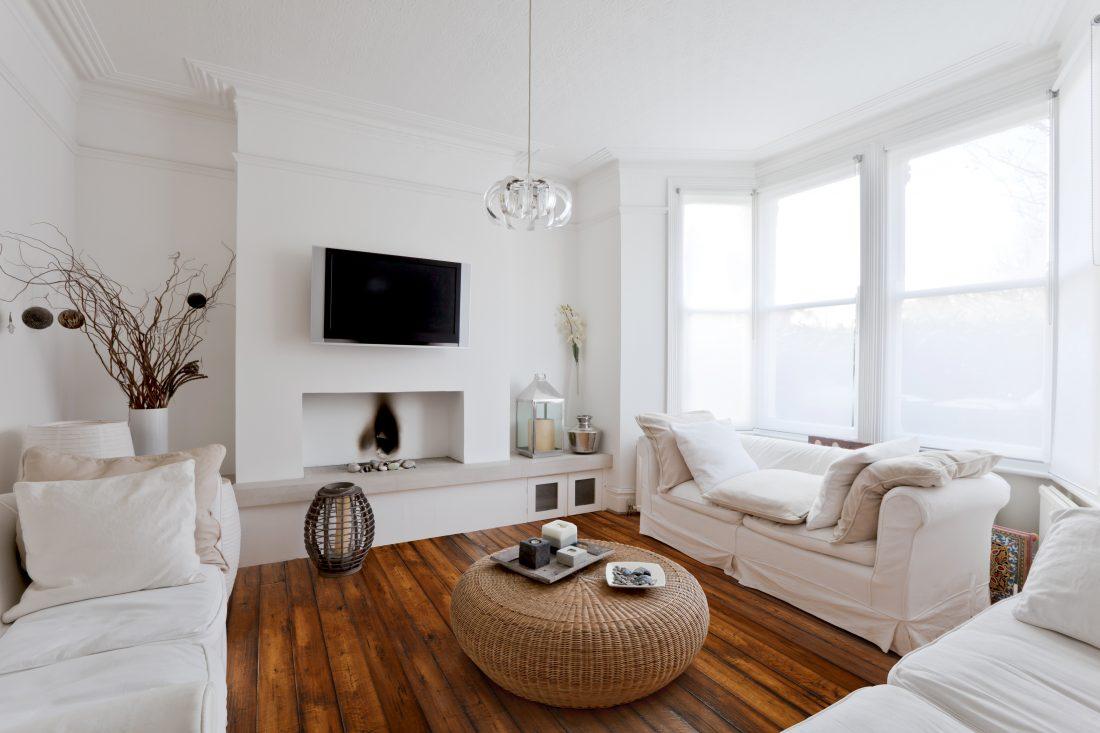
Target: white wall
x,y
314,180
129,180
598,300
152,181
37,117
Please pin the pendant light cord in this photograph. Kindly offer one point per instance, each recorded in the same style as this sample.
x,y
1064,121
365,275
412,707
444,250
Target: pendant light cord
x,y
530,34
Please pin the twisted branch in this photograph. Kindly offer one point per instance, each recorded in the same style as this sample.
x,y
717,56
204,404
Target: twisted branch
x,y
144,346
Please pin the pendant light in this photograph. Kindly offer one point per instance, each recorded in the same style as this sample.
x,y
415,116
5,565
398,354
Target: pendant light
x,y
529,201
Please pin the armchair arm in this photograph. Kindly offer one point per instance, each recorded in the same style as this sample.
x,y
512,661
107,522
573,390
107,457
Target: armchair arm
x,y
647,472
933,544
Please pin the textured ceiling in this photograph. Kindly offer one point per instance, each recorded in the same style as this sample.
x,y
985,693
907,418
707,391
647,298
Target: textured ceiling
x,y
668,74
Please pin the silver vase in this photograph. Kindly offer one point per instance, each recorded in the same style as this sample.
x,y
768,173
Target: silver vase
x,y
584,438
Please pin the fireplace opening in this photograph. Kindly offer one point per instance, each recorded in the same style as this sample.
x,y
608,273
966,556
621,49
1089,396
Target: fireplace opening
x,y
339,428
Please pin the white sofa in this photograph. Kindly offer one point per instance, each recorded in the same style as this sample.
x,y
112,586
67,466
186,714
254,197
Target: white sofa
x,y
927,572
154,660
993,673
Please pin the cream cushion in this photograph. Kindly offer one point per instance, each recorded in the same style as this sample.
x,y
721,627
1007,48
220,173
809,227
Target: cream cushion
x,y
815,540
712,451
658,428
89,539
1063,587
859,517
689,496
42,464
772,493
829,502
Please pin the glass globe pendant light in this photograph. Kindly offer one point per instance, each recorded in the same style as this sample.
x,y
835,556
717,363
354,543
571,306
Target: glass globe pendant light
x,y
530,201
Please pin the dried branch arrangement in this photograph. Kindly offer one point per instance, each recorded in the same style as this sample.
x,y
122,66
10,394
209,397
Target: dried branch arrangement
x,y
144,341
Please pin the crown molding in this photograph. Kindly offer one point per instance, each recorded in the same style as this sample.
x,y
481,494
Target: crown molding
x,y
354,176
215,90
1027,79
151,161
1000,55
71,26
48,119
234,86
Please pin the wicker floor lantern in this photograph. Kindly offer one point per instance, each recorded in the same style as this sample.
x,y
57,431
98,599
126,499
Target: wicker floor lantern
x,y
339,529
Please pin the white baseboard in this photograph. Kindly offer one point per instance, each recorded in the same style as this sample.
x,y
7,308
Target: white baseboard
x,y
620,501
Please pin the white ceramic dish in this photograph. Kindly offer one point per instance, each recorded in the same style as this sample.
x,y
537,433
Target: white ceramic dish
x,y
655,571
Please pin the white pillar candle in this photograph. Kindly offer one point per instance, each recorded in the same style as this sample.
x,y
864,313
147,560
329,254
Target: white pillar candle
x,y
544,434
560,533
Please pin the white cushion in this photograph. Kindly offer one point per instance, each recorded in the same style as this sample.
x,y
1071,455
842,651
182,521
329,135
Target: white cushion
x,y
815,540
794,455
869,709
1062,592
690,496
116,622
773,493
712,451
995,673
156,687
829,503
658,428
87,539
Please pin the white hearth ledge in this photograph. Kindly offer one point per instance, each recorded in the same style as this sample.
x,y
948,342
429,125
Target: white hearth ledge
x,y
430,473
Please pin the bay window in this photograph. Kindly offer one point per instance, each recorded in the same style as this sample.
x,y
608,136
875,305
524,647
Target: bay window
x,y
808,247
765,299
711,294
970,326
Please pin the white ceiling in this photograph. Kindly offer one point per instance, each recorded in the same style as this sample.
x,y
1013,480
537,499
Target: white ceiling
x,y
683,75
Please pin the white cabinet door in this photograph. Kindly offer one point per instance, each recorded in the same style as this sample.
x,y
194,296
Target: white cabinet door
x,y
546,497
585,492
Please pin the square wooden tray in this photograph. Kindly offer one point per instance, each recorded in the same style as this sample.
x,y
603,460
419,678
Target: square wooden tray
x,y
555,571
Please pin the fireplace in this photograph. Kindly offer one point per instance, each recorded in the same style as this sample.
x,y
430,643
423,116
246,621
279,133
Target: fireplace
x,y
339,428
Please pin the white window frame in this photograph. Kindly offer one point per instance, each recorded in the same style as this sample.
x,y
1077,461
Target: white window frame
x,y
677,188
821,177
896,295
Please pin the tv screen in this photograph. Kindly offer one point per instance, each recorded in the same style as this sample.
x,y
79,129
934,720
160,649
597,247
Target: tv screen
x,y
386,299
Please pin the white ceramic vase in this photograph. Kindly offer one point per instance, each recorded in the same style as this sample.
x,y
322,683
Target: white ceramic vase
x,y
149,429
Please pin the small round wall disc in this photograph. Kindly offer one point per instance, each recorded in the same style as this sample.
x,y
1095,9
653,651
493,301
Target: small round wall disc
x,y
37,317
70,318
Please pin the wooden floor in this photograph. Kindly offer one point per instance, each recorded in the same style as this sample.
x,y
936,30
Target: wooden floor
x,y
374,651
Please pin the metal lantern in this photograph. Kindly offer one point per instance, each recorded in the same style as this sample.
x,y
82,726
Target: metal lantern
x,y
339,529
540,419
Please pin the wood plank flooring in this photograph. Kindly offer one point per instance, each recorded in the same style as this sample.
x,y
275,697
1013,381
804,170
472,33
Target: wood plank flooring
x,y
374,651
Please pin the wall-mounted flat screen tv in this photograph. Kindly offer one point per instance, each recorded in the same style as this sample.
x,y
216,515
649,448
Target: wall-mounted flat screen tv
x,y
370,298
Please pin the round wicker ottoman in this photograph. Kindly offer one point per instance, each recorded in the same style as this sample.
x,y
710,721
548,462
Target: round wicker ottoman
x,y
579,643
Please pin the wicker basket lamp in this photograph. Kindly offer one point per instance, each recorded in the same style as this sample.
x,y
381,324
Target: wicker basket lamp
x,y
339,529
578,643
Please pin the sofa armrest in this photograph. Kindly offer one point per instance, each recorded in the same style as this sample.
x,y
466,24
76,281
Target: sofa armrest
x,y
229,544
933,544
646,473
12,581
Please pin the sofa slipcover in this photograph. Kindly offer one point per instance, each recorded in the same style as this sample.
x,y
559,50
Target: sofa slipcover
x,y
931,558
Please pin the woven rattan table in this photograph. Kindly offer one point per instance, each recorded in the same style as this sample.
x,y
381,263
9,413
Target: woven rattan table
x,y
579,643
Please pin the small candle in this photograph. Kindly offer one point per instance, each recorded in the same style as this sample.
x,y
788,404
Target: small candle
x,y
570,556
544,434
560,533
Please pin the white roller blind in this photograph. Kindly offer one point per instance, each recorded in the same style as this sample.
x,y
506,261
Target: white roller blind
x,y
969,328
808,247
711,298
